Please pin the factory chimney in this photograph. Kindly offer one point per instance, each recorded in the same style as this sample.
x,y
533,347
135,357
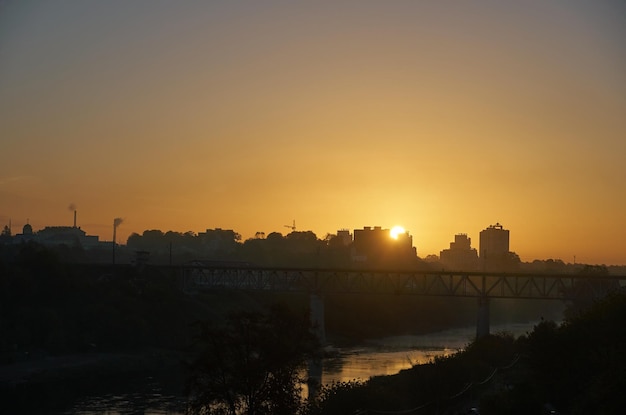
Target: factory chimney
x,y
72,208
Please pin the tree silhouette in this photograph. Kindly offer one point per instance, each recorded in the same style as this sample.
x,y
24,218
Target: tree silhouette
x,y
251,365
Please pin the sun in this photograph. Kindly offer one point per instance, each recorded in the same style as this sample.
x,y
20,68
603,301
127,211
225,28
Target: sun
x,y
395,231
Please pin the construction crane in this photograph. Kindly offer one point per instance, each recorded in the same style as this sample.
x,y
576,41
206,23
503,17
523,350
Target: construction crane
x,y
292,226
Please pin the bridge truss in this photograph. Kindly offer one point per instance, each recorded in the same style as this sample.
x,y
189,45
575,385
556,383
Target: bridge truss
x,y
451,284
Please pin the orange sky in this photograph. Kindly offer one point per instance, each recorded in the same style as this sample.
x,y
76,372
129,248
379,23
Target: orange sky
x,y
442,117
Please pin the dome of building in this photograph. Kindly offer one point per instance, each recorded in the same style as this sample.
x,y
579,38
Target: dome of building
x,y
27,229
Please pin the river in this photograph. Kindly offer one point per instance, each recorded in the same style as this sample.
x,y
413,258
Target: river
x,y
386,356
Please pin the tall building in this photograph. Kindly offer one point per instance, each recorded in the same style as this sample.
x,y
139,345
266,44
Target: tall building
x,y
375,247
345,236
494,241
494,249
461,256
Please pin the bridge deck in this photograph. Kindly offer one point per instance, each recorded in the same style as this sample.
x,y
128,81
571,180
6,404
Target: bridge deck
x,y
453,284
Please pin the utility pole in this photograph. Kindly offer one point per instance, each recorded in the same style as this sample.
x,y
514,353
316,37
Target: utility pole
x,y
116,223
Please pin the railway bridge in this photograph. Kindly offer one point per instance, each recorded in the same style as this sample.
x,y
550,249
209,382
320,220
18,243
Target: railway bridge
x,y
318,282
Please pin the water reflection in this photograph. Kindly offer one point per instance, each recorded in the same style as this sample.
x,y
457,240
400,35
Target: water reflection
x,y
148,397
390,355
378,357
364,363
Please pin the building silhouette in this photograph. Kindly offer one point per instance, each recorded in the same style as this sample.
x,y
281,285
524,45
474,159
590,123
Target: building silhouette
x,y
344,236
58,235
494,250
494,240
460,256
375,247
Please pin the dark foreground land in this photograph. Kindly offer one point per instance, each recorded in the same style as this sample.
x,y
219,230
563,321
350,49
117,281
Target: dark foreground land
x,y
64,331
574,368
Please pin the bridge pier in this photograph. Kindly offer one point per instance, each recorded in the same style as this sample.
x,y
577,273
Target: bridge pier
x,y
317,317
314,381
482,322
315,364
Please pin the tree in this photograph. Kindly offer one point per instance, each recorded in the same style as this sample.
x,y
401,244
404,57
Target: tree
x,y
251,366
5,236
587,291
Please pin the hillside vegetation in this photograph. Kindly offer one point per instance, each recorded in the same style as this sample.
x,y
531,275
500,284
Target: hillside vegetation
x,y
577,367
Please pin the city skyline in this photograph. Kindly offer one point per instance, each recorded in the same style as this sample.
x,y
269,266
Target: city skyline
x,y
443,118
462,238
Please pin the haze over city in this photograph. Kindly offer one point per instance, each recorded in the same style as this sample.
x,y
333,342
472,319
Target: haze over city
x,y
441,117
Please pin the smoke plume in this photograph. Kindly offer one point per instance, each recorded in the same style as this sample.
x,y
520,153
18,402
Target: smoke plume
x,y
72,207
117,222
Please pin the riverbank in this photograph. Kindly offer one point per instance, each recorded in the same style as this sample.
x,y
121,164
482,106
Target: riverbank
x,y
152,381
48,384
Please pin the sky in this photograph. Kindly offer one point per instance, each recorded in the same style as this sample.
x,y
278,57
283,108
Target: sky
x,y
443,117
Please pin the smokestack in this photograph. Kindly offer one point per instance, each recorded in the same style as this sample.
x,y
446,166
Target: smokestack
x,y
72,207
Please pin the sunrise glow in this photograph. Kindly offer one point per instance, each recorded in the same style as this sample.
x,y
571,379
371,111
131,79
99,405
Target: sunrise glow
x,y
395,231
188,116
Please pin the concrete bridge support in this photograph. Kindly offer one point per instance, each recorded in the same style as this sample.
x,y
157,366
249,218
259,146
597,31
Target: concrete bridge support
x,y
317,317
482,322
315,365
314,381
